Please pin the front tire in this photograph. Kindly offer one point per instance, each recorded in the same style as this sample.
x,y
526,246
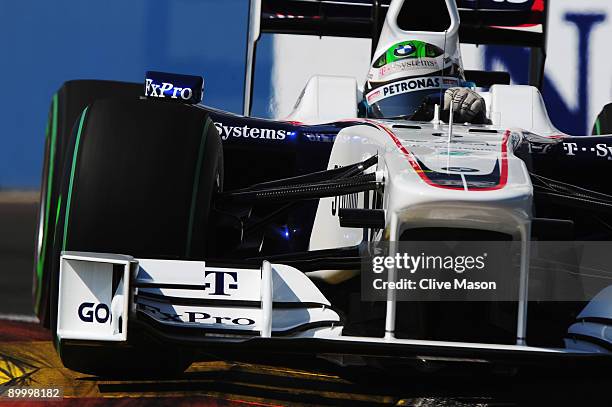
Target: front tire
x,y
66,107
603,123
139,179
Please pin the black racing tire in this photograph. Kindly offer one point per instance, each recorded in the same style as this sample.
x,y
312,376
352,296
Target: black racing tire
x,y
603,123
66,106
139,179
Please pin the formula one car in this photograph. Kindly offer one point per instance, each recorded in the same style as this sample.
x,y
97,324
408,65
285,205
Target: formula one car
x,y
167,226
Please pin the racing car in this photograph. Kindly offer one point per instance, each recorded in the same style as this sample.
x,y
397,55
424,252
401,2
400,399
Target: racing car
x,y
168,227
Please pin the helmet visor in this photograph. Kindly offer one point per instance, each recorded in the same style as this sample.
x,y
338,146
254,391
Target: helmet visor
x,y
404,98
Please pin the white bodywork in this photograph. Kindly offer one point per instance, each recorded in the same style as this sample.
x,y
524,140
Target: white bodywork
x,y
260,309
406,190
593,325
256,308
271,300
326,98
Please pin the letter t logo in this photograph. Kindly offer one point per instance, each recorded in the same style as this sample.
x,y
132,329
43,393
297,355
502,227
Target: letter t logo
x,y
570,148
219,281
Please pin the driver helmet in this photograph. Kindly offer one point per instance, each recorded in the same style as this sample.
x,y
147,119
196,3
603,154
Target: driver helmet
x,y
405,76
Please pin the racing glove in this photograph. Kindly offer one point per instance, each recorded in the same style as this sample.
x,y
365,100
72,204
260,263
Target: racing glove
x,y
468,106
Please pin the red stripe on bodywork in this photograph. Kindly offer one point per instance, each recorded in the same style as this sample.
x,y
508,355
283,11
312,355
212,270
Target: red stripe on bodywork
x,y
503,177
538,5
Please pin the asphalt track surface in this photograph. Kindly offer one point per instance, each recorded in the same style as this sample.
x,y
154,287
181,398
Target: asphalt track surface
x,y
27,358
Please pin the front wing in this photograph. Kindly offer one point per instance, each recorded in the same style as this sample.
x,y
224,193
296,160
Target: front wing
x,y
275,308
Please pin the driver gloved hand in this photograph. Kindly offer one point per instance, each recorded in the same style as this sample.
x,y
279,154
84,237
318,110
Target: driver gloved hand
x,y
468,106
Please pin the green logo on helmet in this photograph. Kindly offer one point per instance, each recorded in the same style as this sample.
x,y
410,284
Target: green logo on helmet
x,y
408,49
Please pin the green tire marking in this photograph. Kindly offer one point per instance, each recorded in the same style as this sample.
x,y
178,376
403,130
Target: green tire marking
x,y
72,170
196,183
41,259
57,213
597,127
